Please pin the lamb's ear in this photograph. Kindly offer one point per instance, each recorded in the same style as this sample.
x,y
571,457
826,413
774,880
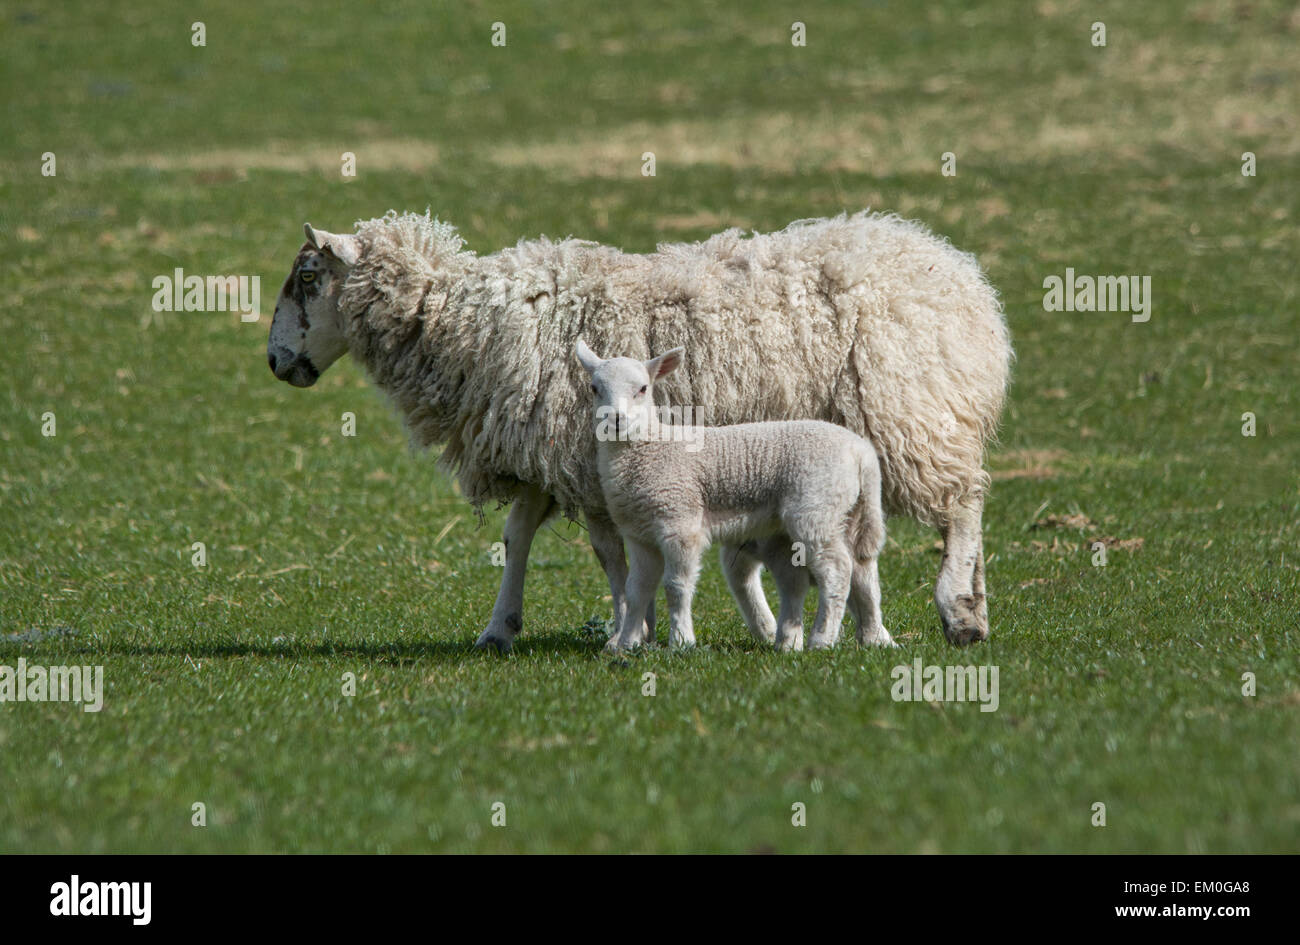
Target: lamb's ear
x,y
587,357
346,249
666,363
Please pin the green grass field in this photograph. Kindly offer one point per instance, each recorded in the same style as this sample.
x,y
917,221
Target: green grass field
x,y
329,555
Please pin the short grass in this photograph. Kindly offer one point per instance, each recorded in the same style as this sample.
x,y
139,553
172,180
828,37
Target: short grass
x,y
329,555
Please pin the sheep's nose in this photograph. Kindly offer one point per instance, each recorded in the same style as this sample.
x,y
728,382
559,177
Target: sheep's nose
x,y
270,359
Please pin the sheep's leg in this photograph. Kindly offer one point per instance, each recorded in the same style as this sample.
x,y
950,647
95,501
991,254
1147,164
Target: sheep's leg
x,y
682,570
832,568
959,589
746,583
607,542
792,585
981,599
645,571
530,509
864,604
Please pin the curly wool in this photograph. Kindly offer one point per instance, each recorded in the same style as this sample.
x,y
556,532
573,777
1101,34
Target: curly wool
x,y
868,321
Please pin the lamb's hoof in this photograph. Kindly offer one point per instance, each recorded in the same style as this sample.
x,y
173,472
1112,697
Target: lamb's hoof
x,y
964,626
616,644
879,638
765,635
493,639
789,645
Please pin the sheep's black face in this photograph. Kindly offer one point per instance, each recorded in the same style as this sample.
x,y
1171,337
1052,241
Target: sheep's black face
x,y
306,331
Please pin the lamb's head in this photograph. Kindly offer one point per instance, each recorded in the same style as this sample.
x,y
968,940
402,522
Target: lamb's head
x,y
623,390
307,330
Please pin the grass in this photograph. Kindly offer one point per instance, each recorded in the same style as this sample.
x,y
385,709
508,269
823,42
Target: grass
x,y
329,555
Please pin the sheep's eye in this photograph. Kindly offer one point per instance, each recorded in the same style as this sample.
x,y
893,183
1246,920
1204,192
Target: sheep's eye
x,y
640,392
307,275
593,389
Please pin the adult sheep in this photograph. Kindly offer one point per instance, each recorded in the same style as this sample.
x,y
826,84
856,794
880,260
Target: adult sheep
x,y
868,321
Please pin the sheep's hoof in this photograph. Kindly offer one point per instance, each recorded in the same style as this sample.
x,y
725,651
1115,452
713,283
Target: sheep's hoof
x,y
495,640
963,626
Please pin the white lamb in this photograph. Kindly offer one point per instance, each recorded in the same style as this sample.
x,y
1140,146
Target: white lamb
x,y
674,491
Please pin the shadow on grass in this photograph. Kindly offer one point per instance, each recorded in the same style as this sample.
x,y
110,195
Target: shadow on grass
x,y
403,651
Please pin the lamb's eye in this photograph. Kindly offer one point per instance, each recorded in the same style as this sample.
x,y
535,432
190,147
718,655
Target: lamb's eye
x,y
307,275
640,392
593,389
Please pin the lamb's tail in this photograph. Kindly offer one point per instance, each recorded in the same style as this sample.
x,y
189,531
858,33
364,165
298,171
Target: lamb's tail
x,y
867,528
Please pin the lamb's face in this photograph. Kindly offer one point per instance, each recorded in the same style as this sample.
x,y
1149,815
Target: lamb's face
x,y
623,391
623,399
307,329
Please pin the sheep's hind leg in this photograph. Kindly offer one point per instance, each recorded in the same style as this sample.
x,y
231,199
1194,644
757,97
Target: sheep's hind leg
x,y
646,570
832,568
792,584
864,605
959,589
530,509
741,567
607,542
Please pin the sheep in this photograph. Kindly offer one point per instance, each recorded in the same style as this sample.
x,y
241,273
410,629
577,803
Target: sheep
x,y
866,321
672,491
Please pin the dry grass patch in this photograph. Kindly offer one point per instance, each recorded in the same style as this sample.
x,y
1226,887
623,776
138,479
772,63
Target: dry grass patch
x,y
400,154
1027,464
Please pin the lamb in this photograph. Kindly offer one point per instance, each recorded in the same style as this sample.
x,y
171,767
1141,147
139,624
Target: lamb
x,y
672,491
865,321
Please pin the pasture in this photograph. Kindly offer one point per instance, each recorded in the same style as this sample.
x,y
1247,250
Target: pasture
x,y
327,554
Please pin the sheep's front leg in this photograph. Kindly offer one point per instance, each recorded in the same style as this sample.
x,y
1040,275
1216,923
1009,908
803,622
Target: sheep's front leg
x,y
681,571
959,589
743,577
527,513
607,542
645,571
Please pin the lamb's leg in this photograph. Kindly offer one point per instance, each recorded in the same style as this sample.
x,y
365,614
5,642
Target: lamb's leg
x,y
959,589
743,577
681,571
832,568
864,605
646,568
527,513
607,542
792,585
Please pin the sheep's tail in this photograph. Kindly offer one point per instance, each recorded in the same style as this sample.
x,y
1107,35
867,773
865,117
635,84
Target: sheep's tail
x,y
867,528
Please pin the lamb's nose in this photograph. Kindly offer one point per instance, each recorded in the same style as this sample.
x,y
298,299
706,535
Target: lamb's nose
x,y
270,359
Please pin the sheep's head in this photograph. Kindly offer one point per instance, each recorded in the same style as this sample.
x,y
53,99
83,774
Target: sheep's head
x,y
307,330
623,390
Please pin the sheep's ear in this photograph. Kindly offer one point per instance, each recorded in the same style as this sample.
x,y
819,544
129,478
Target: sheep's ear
x,y
666,363
587,357
346,249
